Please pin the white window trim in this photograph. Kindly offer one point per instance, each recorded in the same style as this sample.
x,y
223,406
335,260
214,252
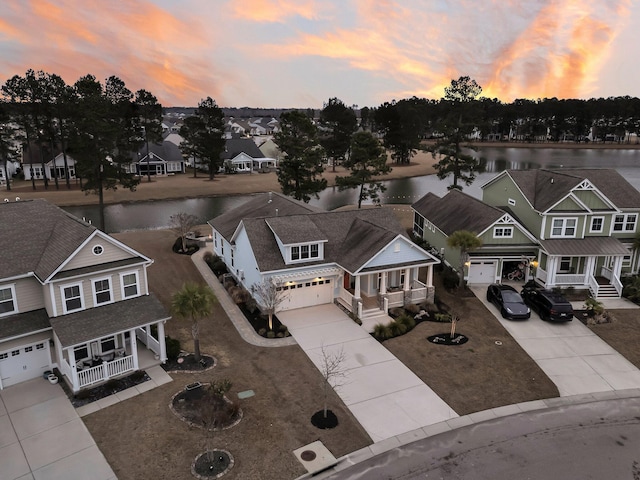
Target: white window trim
x,y
93,290
13,298
97,247
504,228
64,300
564,227
624,222
122,285
308,258
591,230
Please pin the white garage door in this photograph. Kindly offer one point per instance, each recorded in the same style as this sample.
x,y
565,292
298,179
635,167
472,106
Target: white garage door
x,y
482,271
23,363
307,294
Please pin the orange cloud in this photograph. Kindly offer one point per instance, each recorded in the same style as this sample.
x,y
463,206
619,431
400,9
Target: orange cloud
x,y
274,10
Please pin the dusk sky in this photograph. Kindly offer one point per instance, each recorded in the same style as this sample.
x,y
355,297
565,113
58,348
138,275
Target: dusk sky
x,y
300,53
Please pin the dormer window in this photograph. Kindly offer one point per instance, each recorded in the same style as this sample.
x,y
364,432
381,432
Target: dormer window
x,y
305,252
503,232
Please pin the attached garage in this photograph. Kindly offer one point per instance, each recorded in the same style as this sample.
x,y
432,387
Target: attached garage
x,y
482,271
307,293
24,363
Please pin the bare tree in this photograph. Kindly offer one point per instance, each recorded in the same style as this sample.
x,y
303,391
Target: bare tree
x,y
269,296
333,372
182,223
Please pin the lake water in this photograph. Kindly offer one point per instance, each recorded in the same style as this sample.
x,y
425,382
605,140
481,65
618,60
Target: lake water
x,y
155,214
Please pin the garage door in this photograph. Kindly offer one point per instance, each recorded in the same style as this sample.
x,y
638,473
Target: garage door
x,y
307,294
482,271
23,363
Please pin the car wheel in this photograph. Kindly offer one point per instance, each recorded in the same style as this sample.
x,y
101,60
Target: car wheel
x,y
503,312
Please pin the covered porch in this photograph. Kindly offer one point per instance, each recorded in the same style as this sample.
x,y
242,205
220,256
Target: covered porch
x,y
95,345
373,292
593,263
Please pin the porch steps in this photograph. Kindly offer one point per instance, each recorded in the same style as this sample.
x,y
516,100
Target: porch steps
x,y
607,291
370,318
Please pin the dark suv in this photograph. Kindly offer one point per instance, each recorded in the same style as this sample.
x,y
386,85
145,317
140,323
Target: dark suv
x,y
548,304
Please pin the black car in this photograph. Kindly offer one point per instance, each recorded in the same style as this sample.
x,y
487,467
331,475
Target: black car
x,y
509,301
551,306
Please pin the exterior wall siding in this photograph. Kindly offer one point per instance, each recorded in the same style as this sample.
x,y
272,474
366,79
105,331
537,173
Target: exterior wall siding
x,y
567,204
244,261
85,257
580,224
399,251
501,191
29,294
591,200
518,238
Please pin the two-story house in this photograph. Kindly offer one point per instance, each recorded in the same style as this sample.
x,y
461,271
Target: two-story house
x,y
72,298
359,258
585,221
506,244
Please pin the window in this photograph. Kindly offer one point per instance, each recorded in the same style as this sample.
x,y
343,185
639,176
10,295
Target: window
x,y
503,232
625,223
7,302
418,224
81,352
72,296
305,252
129,282
102,291
511,202
97,250
626,261
565,264
4,356
28,349
402,278
40,346
564,227
107,344
597,224
233,261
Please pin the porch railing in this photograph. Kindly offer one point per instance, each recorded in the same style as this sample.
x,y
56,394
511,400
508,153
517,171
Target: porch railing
x,y
570,279
617,283
593,286
606,273
395,299
151,343
104,371
346,298
541,275
418,291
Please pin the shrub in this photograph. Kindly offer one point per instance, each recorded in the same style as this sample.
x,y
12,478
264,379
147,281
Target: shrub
x,y
173,347
220,387
381,332
407,320
395,312
450,279
631,288
442,317
593,307
271,334
262,332
239,294
412,308
208,257
397,329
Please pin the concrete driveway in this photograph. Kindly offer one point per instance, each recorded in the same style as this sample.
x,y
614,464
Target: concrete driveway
x,y
385,396
572,356
43,438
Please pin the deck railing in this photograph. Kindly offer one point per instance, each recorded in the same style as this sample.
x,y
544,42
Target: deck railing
x,y
105,371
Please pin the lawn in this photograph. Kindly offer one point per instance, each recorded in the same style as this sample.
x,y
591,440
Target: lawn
x,y
623,334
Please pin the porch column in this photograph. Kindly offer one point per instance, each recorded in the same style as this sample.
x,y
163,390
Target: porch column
x,y
147,331
589,268
407,281
617,268
356,290
430,276
383,283
163,346
134,348
74,372
552,265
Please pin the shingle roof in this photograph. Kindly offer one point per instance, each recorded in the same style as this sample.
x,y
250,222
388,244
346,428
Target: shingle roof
x,y
236,146
543,188
457,211
263,205
24,324
80,327
300,231
353,237
38,237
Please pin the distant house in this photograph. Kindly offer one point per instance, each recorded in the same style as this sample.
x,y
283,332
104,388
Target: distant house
x,y
361,258
162,159
55,166
72,298
243,155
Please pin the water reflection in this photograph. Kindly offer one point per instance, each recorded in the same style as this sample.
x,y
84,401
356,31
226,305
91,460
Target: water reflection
x,y
155,214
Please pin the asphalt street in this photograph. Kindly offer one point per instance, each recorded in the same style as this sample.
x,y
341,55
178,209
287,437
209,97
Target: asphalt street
x,y
597,440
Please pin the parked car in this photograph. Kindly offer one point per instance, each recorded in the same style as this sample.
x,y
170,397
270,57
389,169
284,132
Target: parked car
x,y
509,301
551,306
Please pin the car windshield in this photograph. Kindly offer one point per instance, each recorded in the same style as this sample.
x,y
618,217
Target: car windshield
x,y
511,297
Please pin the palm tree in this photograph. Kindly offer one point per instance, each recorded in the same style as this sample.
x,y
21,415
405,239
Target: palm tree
x,y
466,241
193,301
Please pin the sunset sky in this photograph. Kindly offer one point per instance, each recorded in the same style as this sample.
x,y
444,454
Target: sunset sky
x,y
300,53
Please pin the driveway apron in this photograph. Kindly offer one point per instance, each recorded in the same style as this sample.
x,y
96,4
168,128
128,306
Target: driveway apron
x,y
577,360
385,396
42,436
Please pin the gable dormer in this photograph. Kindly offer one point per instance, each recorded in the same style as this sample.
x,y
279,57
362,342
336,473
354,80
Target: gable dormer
x,y
298,238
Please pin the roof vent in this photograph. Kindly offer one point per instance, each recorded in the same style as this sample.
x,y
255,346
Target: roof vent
x,y
552,180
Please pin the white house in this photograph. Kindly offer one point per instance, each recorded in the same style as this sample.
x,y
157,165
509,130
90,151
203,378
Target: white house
x,y
54,167
359,258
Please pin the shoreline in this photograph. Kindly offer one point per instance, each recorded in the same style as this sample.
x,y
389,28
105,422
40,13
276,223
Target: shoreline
x,y
185,186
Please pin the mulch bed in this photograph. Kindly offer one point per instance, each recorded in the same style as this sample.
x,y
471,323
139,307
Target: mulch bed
x,y
200,407
318,420
187,364
106,389
212,464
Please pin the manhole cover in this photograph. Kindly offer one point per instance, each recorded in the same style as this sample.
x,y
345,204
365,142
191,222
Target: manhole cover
x,y
308,455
